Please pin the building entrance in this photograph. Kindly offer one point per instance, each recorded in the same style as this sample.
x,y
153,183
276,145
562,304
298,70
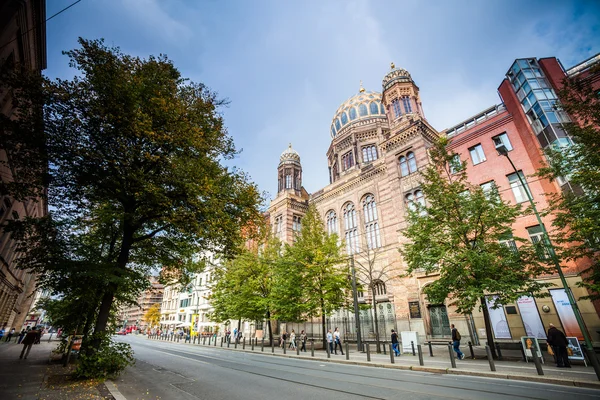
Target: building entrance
x,y
440,325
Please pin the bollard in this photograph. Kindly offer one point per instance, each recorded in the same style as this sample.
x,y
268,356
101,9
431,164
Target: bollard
x,y
430,349
204,340
284,349
244,344
536,360
272,345
490,358
412,344
297,350
178,338
392,353
221,341
252,341
384,347
498,350
235,342
262,345
327,349
471,350
347,351
194,340
228,342
368,352
420,351
452,360
312,348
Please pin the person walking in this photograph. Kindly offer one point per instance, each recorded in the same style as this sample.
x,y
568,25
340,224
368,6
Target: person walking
x,y
293,340
456,342
330,341
21,336
29,340
303,341
10,335
284,337
559,343
395,343
338,340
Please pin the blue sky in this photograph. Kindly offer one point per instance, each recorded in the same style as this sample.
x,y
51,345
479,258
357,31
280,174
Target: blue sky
x,y
286,66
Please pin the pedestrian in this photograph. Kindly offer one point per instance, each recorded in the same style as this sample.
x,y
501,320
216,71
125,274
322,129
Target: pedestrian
x,y
10,335
330,341
39,335
303,341
395,343
21,336
2,332
28,342
293,340
559,344
338,340
456,342
283,339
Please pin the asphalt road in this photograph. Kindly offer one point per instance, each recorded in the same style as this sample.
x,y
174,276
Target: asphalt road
x,y
173,371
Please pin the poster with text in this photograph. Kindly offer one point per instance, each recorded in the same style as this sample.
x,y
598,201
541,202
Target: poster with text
x,y
531,317
498,319
565,313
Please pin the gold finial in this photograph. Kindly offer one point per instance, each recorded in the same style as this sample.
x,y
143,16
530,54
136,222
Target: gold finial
x,y
289,145
362,89
392,65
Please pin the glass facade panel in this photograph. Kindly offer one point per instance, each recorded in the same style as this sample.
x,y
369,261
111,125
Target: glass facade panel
x,y
352,113
344,118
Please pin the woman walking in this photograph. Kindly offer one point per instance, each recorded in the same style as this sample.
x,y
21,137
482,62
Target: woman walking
x,y
303,341
293,340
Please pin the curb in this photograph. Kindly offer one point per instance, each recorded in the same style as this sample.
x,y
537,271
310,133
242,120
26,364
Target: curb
x,y
434,370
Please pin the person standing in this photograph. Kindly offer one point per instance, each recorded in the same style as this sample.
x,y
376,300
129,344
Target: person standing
x,y
10,335
330,341
2,332
283,339
21,336
29,340
456,342
395,343
293,340
303,341
338,340
559,344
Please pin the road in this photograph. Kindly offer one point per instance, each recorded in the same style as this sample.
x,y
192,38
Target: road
x,y
174,371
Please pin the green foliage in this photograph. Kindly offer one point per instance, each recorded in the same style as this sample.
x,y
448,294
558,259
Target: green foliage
x,y
576,211
107,361
457,235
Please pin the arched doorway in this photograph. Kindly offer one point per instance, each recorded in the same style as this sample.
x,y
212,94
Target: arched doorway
x,y
440,324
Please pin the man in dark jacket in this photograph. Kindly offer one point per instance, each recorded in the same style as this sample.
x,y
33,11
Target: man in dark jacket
x,y
559,344
395,343
456,343
29,340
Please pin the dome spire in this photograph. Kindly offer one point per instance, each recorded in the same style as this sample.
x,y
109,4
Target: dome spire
x,y
362,89
392,65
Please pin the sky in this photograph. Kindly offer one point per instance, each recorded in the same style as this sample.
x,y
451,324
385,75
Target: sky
x,y
285,66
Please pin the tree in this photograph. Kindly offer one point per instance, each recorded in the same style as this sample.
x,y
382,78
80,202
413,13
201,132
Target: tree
x,y
135,156
152,316
576,211
373,274
458,235
312,279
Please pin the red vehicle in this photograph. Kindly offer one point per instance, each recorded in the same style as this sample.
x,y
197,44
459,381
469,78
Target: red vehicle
x,y
122,332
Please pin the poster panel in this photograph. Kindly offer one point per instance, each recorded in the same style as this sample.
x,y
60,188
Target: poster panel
x,y
530,344
574,349
498,319
565,313
407,337
530,316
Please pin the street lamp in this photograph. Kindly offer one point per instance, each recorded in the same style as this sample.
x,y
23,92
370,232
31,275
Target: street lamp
x,y
503,151
355,299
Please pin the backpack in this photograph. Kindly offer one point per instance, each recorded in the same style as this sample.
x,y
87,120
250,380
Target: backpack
x,y
457,335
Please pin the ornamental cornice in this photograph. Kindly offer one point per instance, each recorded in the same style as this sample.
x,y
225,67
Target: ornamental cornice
x,y
363,177
400,138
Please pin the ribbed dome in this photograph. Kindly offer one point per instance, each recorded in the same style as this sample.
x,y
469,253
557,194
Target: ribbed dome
x,y
364,105
396,74
289,154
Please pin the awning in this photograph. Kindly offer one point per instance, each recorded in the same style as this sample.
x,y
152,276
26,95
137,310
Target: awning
x,y
183,325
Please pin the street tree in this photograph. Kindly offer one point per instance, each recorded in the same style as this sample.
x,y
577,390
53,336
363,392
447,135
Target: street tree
x,y
152,316
312,278
463,235
135,151
576,211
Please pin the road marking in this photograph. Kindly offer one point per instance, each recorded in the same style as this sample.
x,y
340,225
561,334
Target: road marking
x,y
112,388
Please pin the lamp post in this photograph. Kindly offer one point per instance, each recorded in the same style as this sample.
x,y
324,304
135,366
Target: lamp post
x,y
355,299
502,150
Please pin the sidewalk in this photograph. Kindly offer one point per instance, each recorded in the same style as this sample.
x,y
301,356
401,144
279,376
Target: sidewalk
x,y
578,375
35,378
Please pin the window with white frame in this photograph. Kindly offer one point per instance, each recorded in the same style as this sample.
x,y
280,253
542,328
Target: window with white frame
x,y
350,229
414,200
536,235
331,218
369,153
347,161
278,225
296,224
406,104
408,164
477,154
371,222
455,164
518,190
396,107
489,189
502,139
508,241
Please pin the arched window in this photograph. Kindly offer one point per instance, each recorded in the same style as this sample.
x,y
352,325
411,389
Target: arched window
x,y
288,180
337,124
352,113
408,164
371,223
331,222
379,288
350,229
374,108
344,119
362,110
413,199
382,108
333,133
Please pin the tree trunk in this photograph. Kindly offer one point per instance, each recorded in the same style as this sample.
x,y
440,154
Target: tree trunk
x,y
324,330
375,318
488,328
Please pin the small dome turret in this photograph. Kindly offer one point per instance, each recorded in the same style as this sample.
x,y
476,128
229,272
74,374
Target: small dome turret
x,y
289,155
395,75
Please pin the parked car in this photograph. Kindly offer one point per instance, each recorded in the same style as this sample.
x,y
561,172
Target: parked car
x,y
122,332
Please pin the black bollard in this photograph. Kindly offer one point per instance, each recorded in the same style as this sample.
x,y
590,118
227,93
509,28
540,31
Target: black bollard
x,y
244,344
452,360
272,345
430,349
228,342
327,349
384,347
412,344
284,349
368,352
392,353
498,350
252,341
420,352
536,360
471,350
297,350
312,348
490,358
347,351
221,341
235,343
262,345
